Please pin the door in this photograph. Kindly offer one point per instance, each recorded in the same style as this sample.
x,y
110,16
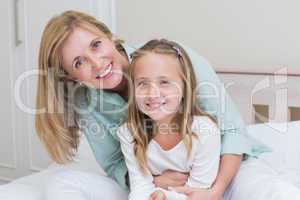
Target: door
x,y
21,152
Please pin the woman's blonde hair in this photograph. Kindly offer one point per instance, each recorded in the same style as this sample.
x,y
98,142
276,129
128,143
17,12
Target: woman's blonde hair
x,y
139,124
56,126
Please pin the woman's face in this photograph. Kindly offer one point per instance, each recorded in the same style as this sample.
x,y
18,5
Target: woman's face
x,y
92,58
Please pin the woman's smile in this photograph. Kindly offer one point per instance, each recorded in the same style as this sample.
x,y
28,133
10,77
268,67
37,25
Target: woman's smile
x,y
91,58
106,73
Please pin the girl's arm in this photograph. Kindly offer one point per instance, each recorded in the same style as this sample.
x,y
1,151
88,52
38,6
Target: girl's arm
x,y
141,186
208,147
170,178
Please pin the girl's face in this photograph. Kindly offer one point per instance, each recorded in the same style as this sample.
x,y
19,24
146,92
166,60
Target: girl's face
x,y
158,86
92,58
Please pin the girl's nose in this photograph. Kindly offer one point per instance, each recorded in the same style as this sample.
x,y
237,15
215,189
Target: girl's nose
x,y
153,90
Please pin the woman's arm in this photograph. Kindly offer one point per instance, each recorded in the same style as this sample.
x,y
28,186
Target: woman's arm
x,y
106,149
228,168
214,99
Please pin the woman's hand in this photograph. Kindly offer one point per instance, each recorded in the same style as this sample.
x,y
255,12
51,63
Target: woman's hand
x,y
158,195
170,178
197,193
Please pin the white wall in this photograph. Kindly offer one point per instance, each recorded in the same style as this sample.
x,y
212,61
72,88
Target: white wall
x,y
251,33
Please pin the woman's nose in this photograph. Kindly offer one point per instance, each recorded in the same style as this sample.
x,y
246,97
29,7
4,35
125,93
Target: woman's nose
x,y
98,61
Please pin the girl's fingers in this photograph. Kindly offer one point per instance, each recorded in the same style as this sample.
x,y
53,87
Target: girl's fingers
x,y
158,195
181,189
189,192
152,196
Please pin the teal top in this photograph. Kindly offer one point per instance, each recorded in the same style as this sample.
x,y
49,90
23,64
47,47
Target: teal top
x,y
103,112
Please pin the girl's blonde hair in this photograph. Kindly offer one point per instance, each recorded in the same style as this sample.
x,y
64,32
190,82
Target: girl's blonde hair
x,y
140,125
56,126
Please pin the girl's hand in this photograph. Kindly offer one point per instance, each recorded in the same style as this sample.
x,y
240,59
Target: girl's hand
x,y
170,178
158,195
198,193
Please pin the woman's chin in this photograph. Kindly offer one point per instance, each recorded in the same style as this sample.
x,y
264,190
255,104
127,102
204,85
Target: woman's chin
x,y
109,83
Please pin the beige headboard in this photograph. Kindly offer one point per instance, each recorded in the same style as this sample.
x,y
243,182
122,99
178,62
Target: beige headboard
x,y
269,94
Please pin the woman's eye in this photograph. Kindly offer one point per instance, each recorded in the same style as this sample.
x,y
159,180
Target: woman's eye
x,y
78,63
96,44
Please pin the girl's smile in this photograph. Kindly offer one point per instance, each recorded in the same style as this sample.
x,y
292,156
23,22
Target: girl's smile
x,y
155,104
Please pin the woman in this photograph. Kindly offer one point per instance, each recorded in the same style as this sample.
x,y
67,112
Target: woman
x,y
84,87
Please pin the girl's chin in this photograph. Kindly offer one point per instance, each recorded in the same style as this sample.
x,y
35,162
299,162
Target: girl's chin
x,y
160,117
157,117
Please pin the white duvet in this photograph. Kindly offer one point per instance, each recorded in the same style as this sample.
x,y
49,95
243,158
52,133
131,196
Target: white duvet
x,y
282,138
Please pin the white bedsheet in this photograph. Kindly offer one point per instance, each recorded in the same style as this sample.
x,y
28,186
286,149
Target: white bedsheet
x,y
282,138
32,187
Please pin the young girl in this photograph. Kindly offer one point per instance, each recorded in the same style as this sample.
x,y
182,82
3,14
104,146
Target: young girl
x,y
165,128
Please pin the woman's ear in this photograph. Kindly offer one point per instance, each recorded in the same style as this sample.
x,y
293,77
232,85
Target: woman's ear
x,y
113,38
69,77
63,75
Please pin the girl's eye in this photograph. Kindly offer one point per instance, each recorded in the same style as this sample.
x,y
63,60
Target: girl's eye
x,y
164,82
142,83
96,44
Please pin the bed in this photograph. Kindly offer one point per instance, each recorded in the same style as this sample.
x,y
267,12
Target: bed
x,y
269,101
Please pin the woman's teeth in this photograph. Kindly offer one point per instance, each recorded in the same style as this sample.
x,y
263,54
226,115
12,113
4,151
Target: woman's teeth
x,y
107,71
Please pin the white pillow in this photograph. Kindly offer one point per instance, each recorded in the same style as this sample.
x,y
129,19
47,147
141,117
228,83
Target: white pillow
x,y
16,191
284,140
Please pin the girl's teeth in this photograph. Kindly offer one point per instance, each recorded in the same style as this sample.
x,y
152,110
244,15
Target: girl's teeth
x,y
155,105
